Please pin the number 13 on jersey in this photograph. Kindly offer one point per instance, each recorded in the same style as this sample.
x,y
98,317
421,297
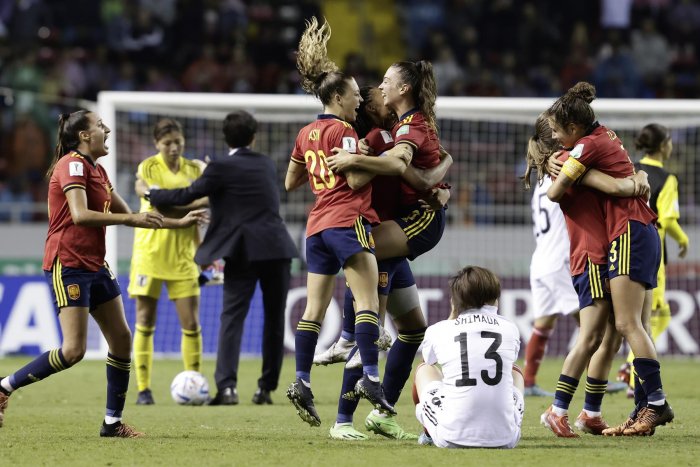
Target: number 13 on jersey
x,y
322,177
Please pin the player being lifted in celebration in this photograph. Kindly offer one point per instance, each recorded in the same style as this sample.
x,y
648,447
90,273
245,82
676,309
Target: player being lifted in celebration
x,y
468,391
338,231
82,203
154,264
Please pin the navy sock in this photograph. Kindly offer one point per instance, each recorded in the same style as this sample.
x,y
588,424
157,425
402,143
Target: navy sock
x,y
566,388
348,332
305,344
41,367
595,390
117,384
649,372
366,335
347,402
399,363
640,397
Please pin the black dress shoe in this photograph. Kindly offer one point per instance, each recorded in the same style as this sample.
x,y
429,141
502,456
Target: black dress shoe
x,y
227,396
262,397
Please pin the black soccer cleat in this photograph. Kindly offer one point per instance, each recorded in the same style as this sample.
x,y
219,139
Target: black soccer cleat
x,y
303,399
145,398
373,392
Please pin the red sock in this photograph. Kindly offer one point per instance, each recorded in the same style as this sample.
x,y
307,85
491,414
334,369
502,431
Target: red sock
x,y
534,353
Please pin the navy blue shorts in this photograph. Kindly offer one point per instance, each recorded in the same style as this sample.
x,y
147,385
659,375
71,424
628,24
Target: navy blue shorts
x,y
328,250
637,254
394,273
80,287
591,284
422,228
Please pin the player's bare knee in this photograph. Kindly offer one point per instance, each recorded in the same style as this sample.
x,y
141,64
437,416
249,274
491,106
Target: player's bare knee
x,y
73,353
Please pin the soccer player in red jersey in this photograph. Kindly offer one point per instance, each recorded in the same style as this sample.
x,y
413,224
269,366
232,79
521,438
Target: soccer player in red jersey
x,y
409,90
339,225
597,341
634,246
82,202
396,284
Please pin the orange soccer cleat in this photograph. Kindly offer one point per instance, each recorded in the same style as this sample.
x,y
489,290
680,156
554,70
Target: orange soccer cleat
x,y
559,425
591,425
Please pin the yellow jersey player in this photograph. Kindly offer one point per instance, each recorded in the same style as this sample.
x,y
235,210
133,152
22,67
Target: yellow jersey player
x,y
165,257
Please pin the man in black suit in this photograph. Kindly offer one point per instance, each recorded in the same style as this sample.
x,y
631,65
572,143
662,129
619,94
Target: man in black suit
x,y
246,230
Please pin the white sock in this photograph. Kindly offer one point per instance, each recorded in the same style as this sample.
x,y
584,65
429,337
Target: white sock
x,y
590,413
374,379
5,383
558,411
112,420
658,403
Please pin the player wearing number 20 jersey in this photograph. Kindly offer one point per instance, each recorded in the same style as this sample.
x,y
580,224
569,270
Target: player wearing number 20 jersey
x,y
476,403
337,205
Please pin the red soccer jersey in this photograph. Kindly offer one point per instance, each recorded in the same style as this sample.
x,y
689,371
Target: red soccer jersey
x,y
584,214
413,129
337,205
386,189
603,150
76,246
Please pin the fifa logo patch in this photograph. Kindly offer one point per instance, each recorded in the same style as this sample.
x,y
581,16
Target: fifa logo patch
x,y
73,291
383,279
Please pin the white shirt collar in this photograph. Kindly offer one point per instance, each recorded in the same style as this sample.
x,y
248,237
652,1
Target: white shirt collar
x,y
233,151
489,309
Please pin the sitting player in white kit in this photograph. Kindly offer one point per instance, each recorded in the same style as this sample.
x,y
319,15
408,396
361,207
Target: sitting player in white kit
x,y
468,391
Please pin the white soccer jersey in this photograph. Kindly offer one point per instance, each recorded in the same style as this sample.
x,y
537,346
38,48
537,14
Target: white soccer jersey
x,y
551,236
476,352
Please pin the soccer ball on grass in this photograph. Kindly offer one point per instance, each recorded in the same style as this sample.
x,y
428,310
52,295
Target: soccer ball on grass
x,y
190,388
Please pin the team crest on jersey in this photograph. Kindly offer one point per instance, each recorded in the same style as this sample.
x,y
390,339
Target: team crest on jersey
x,y
577,151
403,130
383,279
75,169
350,144
73,291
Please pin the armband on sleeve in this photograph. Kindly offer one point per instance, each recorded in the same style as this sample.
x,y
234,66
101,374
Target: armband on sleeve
x,y
573,168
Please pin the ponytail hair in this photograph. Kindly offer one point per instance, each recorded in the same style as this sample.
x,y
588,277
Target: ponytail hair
x,y
651,138
69,126
575,106
540,146
419,75
320,76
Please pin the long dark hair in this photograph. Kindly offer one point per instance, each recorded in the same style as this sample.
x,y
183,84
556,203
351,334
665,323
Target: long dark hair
x,y
69,125
419,75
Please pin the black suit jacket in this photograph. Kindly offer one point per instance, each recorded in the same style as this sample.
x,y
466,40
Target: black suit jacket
x,y
245,203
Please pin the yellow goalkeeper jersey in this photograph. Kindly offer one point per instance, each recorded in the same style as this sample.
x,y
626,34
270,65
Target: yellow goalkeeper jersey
x,y
165,253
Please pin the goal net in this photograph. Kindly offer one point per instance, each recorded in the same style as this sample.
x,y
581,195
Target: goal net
x,y
489,218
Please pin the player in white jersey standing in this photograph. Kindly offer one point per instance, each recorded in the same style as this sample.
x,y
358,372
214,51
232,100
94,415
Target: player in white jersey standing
x,y
553,293
477,398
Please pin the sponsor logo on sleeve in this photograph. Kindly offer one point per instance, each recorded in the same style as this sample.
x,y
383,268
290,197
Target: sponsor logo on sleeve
x,y
403,130
577,151
75,169
386,136
350,144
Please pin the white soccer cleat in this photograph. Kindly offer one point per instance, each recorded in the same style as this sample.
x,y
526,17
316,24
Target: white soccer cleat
x,y
336,353
384,341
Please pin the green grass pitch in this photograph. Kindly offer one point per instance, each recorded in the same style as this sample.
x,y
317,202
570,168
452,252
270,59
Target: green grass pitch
x,y
56,422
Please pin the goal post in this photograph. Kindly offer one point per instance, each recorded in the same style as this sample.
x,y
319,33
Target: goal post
x,y
489,219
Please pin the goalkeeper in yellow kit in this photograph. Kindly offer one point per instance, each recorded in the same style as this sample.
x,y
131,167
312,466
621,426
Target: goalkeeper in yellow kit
x,y
163,256
655,142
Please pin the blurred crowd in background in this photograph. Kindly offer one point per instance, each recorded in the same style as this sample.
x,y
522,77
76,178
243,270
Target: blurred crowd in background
x,y
55,54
